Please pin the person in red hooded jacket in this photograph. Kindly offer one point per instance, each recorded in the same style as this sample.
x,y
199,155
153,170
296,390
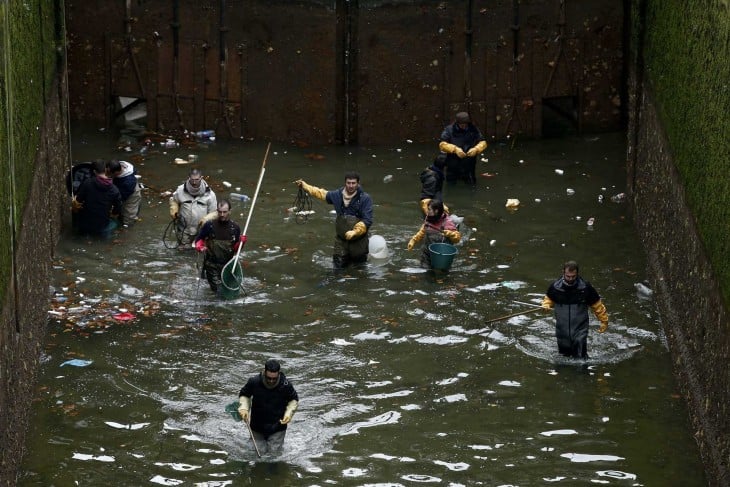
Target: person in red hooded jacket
x,y
437,228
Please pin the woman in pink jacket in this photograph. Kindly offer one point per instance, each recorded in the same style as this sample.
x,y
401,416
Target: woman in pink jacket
x,y
437,228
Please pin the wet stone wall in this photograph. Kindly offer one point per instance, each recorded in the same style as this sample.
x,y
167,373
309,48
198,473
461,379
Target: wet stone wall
x,y
24,311
689,299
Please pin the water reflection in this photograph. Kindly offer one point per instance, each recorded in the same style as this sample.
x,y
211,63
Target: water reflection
x,y
402,380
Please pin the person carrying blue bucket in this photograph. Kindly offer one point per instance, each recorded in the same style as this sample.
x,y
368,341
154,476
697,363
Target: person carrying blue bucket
x,y
437,228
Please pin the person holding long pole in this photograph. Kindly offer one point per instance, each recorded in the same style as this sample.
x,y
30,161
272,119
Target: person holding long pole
x,y
267,403
220,239
570,296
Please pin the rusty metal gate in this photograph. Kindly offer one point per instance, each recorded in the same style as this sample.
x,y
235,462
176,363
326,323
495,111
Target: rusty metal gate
x,y
366,72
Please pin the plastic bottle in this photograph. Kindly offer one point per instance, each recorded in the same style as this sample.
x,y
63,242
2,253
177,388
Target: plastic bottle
x,y
600,198
205,134
240,197
388,178
618,198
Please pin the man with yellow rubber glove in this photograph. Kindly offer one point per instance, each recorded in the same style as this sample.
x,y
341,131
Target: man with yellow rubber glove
x,y
354,210
189,205
267,402
462,142
437,227
570,296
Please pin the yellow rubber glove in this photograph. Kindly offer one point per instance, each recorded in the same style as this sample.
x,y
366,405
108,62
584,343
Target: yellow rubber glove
x,y
289,412
547,303
76,205
451,149
318,193
417,237
424,205
599,309
447,148
452,235
477,149
244,407
357,230
174,208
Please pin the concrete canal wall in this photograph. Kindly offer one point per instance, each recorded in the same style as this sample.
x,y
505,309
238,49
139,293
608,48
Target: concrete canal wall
x,y
679,185
33,158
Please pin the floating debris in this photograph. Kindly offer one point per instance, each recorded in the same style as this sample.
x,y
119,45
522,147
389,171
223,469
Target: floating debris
x,y
77,362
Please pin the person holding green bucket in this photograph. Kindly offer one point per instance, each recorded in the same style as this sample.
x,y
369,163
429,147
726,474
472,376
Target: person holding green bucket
x,y
219,238
438,229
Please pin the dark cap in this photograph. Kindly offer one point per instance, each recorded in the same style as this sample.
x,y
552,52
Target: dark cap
x,y
462,117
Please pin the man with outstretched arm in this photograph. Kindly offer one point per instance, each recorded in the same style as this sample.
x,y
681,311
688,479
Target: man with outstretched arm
x,y
570,296
354,209
267,402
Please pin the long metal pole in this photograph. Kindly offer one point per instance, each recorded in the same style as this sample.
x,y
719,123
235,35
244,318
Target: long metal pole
x,y
253,440
250,211
515,314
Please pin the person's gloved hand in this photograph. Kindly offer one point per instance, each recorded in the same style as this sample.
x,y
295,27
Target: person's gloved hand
x,y
357,230
76,205
299,182
603,327
411,243
241,242
473,152
452,235
244,407
174,215
200,245
547,303
289,412
460,153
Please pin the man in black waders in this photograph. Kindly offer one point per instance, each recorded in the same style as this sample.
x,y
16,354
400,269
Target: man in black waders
x,y
462,142
219,238
571,296
267,402
354,209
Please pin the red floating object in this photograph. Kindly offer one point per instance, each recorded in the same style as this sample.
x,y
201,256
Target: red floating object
x,y
123,316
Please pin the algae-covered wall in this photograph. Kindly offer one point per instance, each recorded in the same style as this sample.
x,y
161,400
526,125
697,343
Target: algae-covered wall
x,y
679,176
687,53
33,157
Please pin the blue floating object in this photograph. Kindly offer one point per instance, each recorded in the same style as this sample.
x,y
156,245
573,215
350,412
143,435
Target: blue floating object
x,y
76,362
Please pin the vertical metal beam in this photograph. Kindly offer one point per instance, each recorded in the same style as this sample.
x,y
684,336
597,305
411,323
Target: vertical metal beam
x,y
468,41
175,25
346,130
223,72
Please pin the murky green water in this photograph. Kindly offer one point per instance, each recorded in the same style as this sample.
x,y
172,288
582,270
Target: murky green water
x,y
401,380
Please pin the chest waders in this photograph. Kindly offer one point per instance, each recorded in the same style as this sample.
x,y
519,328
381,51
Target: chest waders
x,y
347,252
220,251
433,235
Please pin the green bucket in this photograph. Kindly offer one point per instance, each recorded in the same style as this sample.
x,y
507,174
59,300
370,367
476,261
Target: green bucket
x,y
442,255
231,280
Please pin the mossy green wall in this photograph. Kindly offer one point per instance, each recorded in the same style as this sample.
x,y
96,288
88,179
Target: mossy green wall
x,y
687,60
30,37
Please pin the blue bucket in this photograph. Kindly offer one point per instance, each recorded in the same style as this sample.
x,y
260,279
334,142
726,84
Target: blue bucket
x,y
442,255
